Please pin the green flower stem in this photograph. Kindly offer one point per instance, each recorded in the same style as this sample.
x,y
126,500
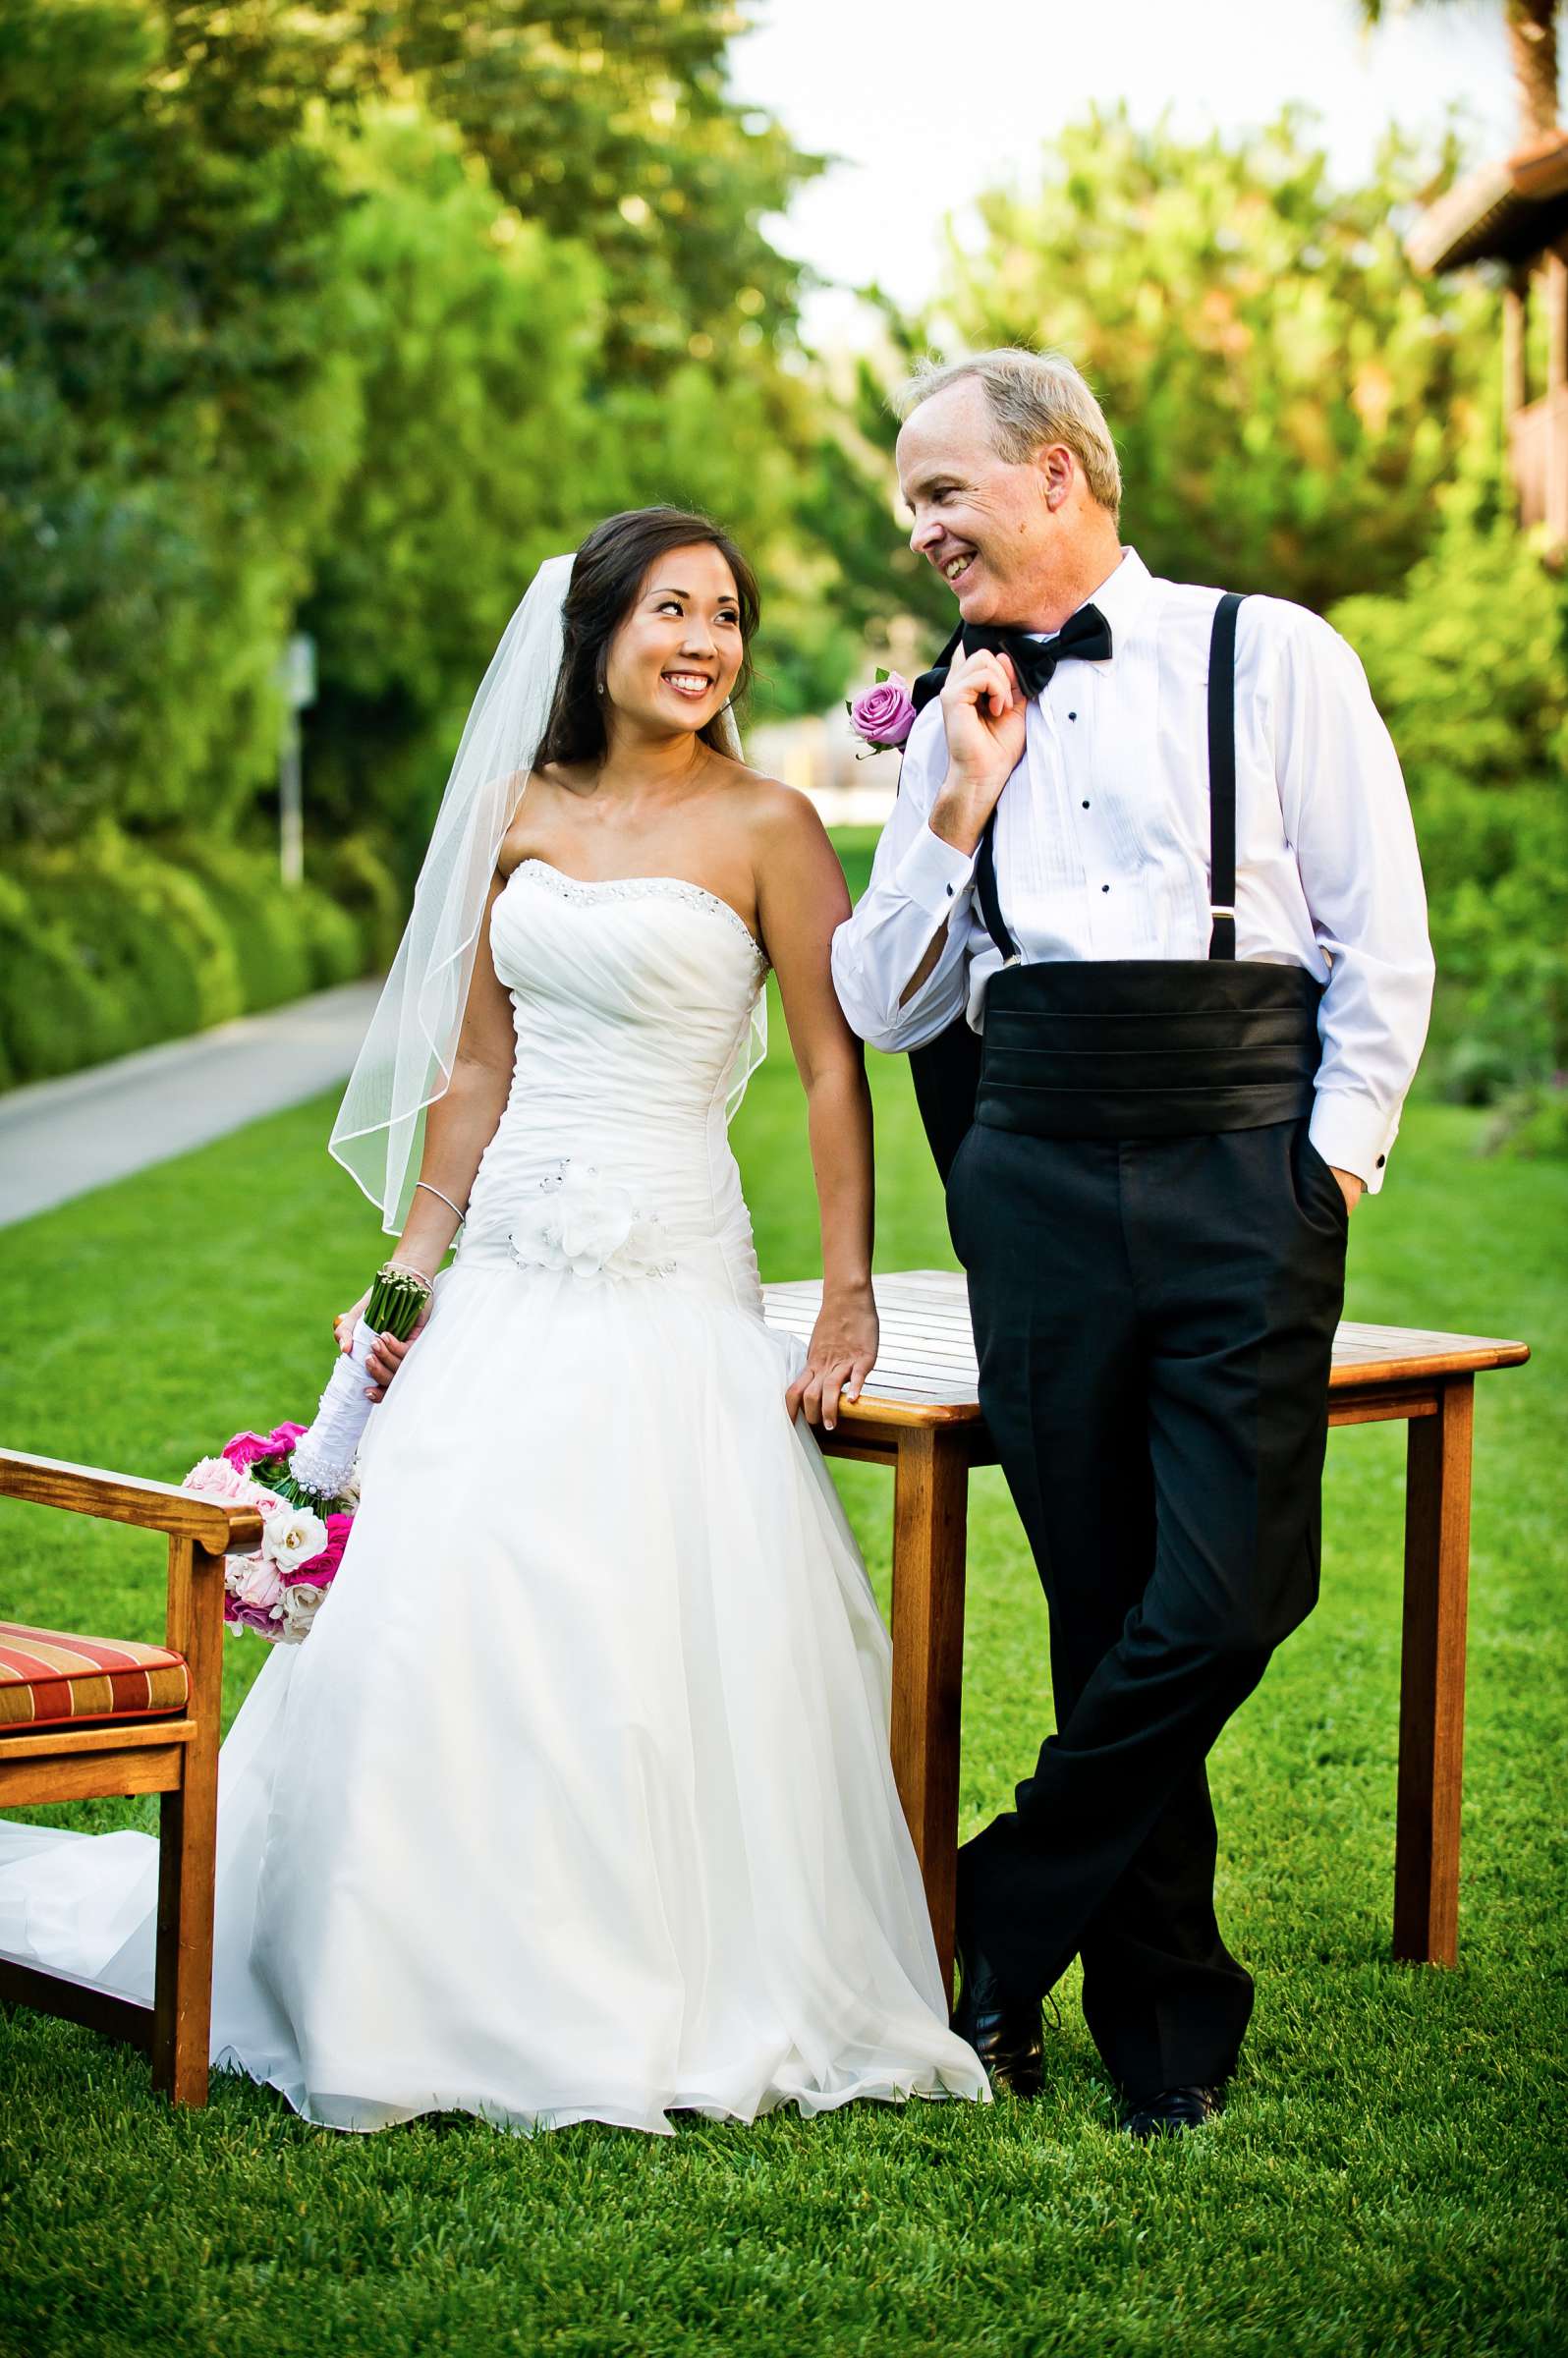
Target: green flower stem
x,y
397,1299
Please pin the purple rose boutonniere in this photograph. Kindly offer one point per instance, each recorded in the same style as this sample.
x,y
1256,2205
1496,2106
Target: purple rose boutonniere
x,y
883,716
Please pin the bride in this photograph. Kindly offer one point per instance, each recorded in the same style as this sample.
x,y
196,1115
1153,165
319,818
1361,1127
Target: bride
x,y
576,1804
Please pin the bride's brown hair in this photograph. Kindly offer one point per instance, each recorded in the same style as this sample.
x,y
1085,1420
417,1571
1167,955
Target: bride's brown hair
x,y
607,573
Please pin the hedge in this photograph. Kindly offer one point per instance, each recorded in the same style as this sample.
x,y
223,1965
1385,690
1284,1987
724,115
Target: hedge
x,y
121,941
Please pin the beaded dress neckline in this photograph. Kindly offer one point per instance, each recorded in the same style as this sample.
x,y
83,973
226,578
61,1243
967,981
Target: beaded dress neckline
x,y
622,888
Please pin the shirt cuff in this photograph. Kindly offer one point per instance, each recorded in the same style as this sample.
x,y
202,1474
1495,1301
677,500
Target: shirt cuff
x,y
933,874
1353,1135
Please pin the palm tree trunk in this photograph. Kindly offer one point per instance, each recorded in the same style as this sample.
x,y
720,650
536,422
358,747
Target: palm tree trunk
x,y
1533,52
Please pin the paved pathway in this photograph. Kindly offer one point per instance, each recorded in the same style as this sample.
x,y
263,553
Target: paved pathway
x,y
60,1137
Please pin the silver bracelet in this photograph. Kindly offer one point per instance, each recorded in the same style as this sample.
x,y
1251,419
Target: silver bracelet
x,y
462,1217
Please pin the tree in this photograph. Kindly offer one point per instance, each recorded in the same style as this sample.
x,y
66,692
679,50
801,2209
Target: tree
x,y
247,364
493,430
847,505
1470,671
471,341
168,424
1531,48
608,123
1286,393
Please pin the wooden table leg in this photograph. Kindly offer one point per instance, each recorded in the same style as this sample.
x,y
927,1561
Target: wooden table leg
x,y
1431,1689
930,1485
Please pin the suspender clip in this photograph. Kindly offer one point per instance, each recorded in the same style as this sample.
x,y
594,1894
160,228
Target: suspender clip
x,y
1219,909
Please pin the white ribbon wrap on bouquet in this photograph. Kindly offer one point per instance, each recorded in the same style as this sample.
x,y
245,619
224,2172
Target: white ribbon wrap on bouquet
x,y
323,1458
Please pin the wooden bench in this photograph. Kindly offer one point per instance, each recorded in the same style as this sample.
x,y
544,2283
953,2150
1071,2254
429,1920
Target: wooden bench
x,y
175,1755
920,1415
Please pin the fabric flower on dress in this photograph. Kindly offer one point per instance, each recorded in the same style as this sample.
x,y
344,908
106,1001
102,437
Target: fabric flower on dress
x,y
589,1225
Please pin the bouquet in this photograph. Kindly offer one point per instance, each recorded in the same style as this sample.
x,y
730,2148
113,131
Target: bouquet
x,y
303,1483
883,716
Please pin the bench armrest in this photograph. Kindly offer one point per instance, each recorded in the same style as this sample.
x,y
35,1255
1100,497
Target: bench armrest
x,y
214,1525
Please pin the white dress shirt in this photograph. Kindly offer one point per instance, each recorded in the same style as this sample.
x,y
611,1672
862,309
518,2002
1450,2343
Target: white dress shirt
x,y
1102,846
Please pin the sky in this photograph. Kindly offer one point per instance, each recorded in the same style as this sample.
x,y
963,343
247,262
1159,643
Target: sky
x,y
930,101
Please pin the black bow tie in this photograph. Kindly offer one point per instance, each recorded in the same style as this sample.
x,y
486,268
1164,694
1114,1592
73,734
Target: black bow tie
x,y
1086,635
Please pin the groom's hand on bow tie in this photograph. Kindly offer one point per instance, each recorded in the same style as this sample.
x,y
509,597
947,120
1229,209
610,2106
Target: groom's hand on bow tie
x,y
984,712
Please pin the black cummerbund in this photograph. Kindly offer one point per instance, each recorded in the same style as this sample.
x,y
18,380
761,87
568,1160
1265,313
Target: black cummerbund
x,y
1148,1048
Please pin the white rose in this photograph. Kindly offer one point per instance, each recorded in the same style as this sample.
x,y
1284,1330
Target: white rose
x,y
301,1603
292,1536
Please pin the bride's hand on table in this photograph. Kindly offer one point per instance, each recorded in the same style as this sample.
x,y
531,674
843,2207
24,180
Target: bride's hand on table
x,y
841,1354
388,1355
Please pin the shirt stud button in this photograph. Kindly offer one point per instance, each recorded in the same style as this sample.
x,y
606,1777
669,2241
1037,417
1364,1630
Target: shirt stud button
x,y
1104,888
1381,1159
1086,805
1072,715
949,892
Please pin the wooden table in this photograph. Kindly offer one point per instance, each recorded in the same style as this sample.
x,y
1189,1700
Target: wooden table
x,y
919,1414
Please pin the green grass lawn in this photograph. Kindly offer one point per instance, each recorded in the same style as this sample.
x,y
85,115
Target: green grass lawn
x,y
1385,2178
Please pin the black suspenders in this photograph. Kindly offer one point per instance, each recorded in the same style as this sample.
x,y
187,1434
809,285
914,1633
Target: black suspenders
x,y
1222,778
1221,804
990,899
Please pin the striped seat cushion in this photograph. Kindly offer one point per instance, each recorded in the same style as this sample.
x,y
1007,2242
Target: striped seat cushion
x,y
51,1675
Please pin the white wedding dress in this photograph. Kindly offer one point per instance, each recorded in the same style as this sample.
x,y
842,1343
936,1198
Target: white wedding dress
x,y
576,1802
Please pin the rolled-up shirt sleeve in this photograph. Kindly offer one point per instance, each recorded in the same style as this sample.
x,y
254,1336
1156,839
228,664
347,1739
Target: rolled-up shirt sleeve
x,y
1348,816
917,883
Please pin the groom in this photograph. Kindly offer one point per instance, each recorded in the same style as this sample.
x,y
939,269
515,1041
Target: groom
x,y
1149,916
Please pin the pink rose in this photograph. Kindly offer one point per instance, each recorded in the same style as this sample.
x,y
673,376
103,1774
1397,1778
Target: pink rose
x,y
321,1568
216,1478
247,1448
256,1584
883,717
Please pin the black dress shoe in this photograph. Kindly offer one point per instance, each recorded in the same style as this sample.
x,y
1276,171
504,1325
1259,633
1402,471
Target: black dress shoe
x,y
1004,2031
1169,2111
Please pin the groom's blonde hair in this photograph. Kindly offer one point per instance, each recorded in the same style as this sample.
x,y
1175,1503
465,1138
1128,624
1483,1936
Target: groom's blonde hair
x,y
1034,398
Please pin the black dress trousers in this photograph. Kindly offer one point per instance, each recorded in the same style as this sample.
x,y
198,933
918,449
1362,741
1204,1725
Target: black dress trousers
x,y
1154,1319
